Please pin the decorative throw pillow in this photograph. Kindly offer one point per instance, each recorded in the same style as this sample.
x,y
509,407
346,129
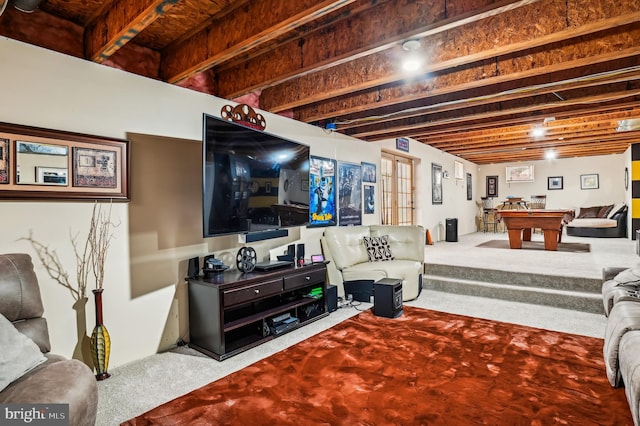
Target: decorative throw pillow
x,y
19,354
604,211
589,212
378,248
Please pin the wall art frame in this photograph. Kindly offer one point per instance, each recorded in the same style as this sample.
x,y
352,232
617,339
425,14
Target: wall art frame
x,y
4,161
322,192
47,164
368,172
436,183
590,181
469,187
555,182
492,186
519,173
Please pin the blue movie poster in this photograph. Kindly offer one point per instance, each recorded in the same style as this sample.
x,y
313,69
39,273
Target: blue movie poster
x,y
322,194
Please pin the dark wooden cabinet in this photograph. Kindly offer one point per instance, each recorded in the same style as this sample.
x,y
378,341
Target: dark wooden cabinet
x,y
232,312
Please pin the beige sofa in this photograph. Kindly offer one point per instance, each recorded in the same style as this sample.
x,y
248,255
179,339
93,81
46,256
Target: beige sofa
x,y
344,248
622,335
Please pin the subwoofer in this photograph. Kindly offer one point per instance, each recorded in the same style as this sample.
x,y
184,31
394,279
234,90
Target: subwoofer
x,y
387,298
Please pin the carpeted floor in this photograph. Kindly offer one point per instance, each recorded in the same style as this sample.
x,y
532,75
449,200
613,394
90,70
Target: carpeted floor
x,y
426,367
538,245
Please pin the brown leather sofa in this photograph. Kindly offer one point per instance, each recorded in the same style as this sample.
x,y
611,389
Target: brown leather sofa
x,y
57,380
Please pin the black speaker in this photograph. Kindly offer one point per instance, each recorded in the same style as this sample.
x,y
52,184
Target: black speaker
x,y
290,255
361,290
193,269
332,298
387,298
300,254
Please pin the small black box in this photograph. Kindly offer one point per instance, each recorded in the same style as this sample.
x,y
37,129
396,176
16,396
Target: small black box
x,y
388,298
362,290
332,298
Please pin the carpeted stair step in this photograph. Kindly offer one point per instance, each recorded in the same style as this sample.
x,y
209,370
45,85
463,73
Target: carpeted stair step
x,y
566,299
537,280
577,293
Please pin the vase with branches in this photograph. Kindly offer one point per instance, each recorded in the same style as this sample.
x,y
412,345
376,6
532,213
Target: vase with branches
x,y
90,256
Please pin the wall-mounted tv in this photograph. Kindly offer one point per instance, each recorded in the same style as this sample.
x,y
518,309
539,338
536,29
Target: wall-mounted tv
x,y
252,180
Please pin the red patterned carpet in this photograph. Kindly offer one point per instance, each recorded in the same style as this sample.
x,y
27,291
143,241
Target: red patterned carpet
x,y
424,368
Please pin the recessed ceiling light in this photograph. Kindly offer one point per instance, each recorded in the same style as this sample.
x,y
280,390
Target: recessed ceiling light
x,y
550,154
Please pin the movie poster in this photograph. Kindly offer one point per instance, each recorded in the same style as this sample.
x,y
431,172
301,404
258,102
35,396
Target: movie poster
x,y
369,200
322,192
349,194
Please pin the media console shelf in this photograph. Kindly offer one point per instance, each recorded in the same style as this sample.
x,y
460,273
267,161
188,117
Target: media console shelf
x,y
232,312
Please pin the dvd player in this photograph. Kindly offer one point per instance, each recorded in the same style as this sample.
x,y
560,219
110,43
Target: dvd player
x,y
272,264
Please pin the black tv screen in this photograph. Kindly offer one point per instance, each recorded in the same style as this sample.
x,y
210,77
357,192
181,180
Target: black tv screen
x,y
252,180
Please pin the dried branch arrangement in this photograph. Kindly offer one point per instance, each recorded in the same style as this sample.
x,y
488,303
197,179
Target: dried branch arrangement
x,y
90,257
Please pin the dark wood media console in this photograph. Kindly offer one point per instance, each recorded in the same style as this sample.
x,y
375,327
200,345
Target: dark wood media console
x,y
232,312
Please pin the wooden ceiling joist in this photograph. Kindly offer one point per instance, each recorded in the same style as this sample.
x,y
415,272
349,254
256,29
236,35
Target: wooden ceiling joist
x,y
119,24
259,22
497,37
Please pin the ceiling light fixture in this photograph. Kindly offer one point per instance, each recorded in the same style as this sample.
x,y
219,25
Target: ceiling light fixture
x,y
412,61
550,154
540,131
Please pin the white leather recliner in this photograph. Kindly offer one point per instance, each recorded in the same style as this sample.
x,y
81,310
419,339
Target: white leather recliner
x,y
344,247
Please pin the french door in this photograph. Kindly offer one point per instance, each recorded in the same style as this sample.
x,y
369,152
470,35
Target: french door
x,y
397,190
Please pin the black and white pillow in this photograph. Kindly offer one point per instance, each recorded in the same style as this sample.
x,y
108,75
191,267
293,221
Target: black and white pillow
x,y
378,248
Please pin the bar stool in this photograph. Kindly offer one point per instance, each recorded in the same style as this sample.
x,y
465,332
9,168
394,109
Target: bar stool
x,y
488,214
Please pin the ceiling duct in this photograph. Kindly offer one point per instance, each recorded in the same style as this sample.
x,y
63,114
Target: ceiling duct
x,y
27,6
628,125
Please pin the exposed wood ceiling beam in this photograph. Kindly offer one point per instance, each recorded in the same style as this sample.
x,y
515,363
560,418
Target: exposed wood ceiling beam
x,y
259,22
485,43
353,37
119,24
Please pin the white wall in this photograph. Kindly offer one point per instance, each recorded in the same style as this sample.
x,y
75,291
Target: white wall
x,y
145,295
454,191
610,170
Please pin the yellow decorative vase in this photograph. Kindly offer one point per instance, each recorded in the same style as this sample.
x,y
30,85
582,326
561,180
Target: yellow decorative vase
x,y
100,341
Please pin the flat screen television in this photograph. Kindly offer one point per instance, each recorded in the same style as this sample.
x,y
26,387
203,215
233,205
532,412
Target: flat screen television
x,y
252,180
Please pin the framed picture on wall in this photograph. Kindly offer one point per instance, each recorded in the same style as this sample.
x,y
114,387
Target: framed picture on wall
x,y
349,194
368,172
369,199
590,181
554,182
436,183
469,188
520,173
492,186
322,191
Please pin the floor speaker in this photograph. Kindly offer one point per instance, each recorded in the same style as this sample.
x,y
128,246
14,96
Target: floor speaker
x,y
332,298
387,298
